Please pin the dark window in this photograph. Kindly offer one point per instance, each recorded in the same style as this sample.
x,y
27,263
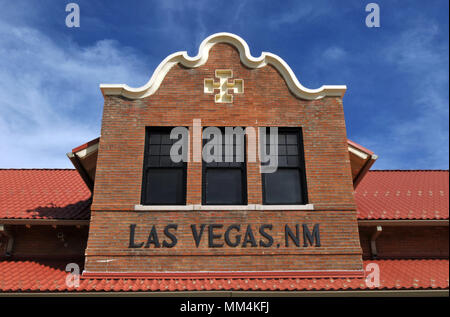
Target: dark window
x,y
224,182
287,185
164,181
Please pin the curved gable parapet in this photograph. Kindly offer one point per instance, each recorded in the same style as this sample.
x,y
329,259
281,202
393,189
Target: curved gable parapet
x,y
247,59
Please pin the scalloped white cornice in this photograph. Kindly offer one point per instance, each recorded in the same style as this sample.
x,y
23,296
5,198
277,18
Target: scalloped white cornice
x,y
247,59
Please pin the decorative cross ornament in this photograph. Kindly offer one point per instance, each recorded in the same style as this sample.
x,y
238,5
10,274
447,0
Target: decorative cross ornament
x,y
224,86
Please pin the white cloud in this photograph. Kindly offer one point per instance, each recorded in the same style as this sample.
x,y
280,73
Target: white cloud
x,y
420,142
300,12
50,100
334,53
177,13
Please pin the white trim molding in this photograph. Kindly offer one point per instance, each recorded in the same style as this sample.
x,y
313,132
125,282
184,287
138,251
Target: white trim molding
x,y
247,59
84,152
403,222
357,152
221,207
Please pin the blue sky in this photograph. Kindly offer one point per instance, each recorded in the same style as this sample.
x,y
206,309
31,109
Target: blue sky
x,y
397,75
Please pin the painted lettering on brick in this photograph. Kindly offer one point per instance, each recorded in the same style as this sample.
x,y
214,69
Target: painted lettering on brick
x,y
231,236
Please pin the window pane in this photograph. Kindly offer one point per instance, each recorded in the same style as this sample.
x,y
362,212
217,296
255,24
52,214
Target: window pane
x,y
164,186
165,138
283,187
224,186
292,149
155,138
292,161
165,161
291,138
282,161
153,161
165,149
154,149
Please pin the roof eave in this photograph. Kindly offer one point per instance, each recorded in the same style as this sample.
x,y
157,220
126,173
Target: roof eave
x,y
403,222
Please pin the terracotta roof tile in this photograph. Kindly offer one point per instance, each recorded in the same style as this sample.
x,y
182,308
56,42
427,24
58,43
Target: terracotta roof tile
x,y
29,276
403,195
43,194
61,194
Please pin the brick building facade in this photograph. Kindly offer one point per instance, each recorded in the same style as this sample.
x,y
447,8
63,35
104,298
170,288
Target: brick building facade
x,y
342,216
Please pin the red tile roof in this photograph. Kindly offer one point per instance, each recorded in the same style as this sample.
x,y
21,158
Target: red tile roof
x,y
403,195
28,276
43,194
61,194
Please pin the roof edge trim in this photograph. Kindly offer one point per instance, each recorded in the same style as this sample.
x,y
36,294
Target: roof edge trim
x,y
227,274
438,292
403,222
44,222
247,59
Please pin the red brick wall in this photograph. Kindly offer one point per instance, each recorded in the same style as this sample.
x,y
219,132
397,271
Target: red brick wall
x,y
43,242
266,101
407,242
109,239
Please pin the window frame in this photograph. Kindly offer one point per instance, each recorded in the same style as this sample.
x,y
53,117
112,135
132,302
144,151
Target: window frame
x,y
301,168
242,168
146,167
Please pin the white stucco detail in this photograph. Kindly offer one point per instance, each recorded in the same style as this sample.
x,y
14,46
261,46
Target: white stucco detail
x,y
247,59
357,152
